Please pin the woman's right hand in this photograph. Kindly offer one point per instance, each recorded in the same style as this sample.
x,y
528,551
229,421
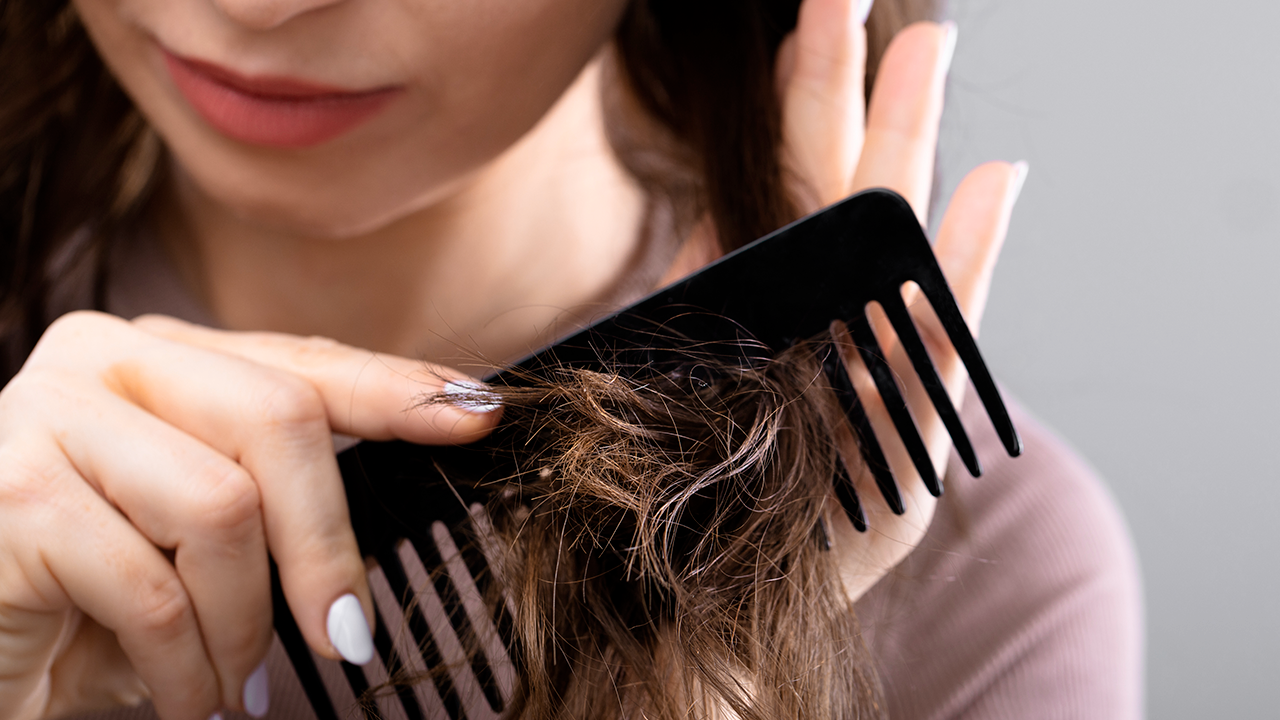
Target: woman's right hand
x,y
146,470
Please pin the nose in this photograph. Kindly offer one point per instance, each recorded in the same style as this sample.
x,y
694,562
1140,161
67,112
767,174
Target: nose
x,y
267,14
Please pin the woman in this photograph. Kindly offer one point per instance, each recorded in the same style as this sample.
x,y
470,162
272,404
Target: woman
x,y
435,181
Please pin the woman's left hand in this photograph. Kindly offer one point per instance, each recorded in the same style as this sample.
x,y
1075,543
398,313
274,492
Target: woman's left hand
x,y
834,145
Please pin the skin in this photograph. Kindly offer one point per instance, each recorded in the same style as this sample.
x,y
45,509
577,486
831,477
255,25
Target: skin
x,y
134,531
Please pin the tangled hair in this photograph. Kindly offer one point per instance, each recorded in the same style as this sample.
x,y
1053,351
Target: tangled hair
x,y
666,540
662,540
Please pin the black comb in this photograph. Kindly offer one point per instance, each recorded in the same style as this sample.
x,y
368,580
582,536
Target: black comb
x,y
747,306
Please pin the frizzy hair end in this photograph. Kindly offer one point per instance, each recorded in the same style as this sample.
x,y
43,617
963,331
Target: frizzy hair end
x,y
661,536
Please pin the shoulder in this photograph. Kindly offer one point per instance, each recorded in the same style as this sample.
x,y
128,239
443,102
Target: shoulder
x,y
1023,600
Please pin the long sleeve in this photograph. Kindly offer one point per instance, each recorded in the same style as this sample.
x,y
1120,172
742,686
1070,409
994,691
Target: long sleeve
x,y
1022,601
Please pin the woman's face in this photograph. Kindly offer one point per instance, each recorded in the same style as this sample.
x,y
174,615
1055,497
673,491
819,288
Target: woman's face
x,y
334,117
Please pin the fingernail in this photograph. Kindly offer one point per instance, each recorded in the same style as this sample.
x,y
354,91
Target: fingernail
x,y
948,48
349,631
256,695
215,716
1020,170
864,12
471,395
342,442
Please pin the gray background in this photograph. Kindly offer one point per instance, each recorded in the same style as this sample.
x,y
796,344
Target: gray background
x,y
1135,306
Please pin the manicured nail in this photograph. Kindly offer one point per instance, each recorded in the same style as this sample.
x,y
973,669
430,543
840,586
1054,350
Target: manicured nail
x,y
215,716
349,631
948,48
1020,170
256,695
470,395
864,12
342,442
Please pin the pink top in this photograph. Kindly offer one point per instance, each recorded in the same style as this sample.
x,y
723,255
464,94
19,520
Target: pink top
x,y
1023,600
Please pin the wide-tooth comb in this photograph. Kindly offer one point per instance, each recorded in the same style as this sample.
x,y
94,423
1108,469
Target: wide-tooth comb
x,y
748,306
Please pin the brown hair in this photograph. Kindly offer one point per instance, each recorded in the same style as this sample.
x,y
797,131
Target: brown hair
x,y
685,565
74,156
662,534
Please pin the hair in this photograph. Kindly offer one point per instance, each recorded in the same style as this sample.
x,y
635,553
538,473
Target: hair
x,y
661,531
676,517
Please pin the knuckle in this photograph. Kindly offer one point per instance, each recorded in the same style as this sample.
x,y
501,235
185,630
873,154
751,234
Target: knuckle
x,y
292,406
37,398
230,503
74,321
36,385
317,351
23,482
76,325
163,609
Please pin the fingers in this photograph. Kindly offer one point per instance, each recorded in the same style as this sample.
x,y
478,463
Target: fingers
x,y
902,120
209,450
820,75
101,564
274,425
969,242
973,232
365,394
204,508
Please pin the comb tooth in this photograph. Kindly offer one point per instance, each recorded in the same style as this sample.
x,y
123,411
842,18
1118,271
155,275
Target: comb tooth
x,y
900,318
296,647
944,304
485,581
360,685
460,622
867,443
393,569
394,664
459,617
894,403
849,497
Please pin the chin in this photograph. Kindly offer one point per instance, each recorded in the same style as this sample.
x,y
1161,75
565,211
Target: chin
x,y
293,199
330,221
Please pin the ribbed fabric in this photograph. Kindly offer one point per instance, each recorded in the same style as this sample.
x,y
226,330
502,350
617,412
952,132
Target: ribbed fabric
x,y
1022,601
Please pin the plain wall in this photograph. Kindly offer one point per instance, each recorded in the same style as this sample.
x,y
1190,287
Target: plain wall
x,y
1135,307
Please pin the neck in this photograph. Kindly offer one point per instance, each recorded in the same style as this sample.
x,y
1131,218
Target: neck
x,y
541,233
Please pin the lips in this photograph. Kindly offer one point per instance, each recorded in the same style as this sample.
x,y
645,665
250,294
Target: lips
x,y
273,111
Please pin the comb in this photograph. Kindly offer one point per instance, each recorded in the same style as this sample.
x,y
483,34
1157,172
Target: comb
x,y
747,307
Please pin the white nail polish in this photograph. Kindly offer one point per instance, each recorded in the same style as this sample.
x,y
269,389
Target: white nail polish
x,y
1020,170
948,52
349,631
864,12
215,716
471,396
256,695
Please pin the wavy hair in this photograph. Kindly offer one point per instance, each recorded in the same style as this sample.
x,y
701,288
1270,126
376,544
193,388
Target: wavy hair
x,y
662,537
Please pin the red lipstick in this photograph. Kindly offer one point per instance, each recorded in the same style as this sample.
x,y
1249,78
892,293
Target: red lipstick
x,y
269,110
